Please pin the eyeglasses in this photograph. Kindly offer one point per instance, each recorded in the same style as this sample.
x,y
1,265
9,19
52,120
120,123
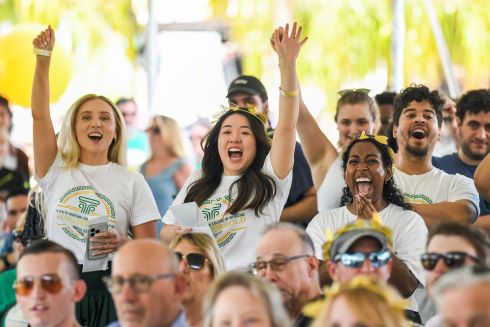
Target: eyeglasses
x,y
51,283
276,264
195,261
154,130
139,283
451,259
356,260
362,91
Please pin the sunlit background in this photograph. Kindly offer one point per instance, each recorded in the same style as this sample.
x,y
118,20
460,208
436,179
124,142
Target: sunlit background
x,y
176,57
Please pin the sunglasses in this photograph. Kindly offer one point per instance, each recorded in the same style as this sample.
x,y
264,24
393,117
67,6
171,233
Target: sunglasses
x,y
346,91
51,283
195,261
139,283
356,260
451,259
154,130
276,264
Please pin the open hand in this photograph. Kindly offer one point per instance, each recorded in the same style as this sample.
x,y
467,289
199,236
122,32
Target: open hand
x,y
106,242
287,45
44,40
365,209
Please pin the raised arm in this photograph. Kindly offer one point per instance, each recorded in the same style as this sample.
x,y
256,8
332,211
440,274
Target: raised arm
x,y
318,149
45,147
287,45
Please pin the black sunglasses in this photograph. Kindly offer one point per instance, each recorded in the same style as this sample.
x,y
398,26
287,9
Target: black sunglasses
x,y
154,130
195,261
451,259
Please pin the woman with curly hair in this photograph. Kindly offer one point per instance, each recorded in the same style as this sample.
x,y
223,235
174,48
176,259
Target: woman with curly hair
x,y
244,181
368,171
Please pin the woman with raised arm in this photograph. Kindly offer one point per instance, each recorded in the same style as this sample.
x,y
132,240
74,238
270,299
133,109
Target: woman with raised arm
x,y
86,184
244,181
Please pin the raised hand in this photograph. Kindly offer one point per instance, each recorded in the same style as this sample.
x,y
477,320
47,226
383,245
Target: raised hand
x,y
45,40
287,45
365,209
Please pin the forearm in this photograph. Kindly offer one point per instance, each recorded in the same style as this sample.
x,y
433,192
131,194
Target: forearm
x,y
461,211
40,89
302,211
167,233
484,223
402,278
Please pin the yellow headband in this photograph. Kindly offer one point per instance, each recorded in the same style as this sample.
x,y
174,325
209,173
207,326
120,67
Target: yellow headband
x,y
380,139
250,109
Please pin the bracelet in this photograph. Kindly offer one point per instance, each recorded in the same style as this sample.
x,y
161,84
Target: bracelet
x,y
42,52
285,93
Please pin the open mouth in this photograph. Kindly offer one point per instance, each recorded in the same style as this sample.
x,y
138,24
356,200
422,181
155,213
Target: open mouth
x,y
363,184
418,133
235,153
39,308
96,137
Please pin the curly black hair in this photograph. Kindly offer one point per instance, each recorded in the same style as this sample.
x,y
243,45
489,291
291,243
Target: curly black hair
x,y
474,102
417,93
391,193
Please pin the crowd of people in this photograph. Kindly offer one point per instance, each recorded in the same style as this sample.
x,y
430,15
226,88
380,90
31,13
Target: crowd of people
x,y
265,231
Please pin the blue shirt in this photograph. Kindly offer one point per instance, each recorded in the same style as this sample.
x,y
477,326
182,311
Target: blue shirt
x,y
452,164
179,322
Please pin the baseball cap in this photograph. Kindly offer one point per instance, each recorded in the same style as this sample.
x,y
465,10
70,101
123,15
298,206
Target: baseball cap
x,y
247,84
342,243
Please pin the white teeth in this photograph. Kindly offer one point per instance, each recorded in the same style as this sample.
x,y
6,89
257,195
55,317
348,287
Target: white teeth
x,y
363,179
234,150
95,134
419,131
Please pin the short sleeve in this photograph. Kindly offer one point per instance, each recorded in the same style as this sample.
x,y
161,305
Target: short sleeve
x,y
317,233
463,188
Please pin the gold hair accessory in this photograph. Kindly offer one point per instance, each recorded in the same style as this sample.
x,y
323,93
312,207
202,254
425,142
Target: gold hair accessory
x,y
361,90
374,223
381,139
385,292
42,52
285,93
249,109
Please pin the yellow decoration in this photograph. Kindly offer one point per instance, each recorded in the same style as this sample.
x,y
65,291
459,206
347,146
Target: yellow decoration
x,y
250,109
17,66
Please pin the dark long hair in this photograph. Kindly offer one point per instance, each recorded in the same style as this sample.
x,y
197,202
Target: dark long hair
x,y
255,189
391,194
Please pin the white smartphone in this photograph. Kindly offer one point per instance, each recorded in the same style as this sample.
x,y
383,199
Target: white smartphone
x,y
93,230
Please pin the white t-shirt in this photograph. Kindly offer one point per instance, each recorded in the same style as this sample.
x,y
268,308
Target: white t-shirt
x,y
237,234
330,192
436,186
409,235
73,196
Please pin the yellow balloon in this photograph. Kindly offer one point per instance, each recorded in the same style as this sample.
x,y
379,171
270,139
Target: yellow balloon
x,y
17,66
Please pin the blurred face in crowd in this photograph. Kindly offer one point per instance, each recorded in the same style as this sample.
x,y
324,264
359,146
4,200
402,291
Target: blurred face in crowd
x,y
129,111
236,144
352,120
467,306
292,277
4,144
146,303
5,120
443,244
340,314
417,131
196,134
237,306
198,280
386,119
51,300
16,206
342,273
474,135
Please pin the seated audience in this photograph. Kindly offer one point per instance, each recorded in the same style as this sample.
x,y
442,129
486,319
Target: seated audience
x,y
147,291
238,299
286,258
463,297
200,263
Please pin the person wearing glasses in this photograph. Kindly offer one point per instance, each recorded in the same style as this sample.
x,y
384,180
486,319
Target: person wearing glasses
x,y
463,297
245,179
147,289
85,181
48,285
355,113
166,170
453,245
239,299
371,192
285,257
200,263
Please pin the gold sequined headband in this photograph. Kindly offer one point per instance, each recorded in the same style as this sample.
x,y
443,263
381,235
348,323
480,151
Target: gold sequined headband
x,y
249,109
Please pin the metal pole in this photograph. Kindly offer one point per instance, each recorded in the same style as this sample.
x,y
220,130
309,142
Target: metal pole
x,y
398,45
441,44
151,56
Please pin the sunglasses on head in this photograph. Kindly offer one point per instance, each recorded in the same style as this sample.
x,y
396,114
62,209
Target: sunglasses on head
x,y
361,90
451,259
51,283
356,260
195,261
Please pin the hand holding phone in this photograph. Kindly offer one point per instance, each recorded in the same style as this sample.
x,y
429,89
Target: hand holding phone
x,y
94,244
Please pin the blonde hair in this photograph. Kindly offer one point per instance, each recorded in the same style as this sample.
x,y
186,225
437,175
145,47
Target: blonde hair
x,y
371,304
266,293
171,134
205,244
68,146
